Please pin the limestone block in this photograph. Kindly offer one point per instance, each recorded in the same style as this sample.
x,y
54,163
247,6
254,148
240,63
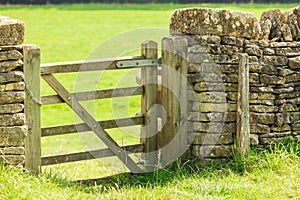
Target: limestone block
x,y
283,128
287,117
214,97
12,119
272,79
205,117
283,90
261,89
10,55
200,58
293,44
230,117
12,76
288,51
11,97
231,78
293,100
211,139
212,107
296,127
278,44
263,108
212,68
254,139
265,26
274,60
9,65
11,108
253,59
286,33
265,96
16,86
292,19
13,135
204,21
262,118
269,52
206,77
209,86
294,63
276,18
262,102
232,96
12,159
291,94
205,39
214,127
259,129
12,151
292,78
253,78
225,59
213,151
11,31
276,134
284,72
269,141
234,41
288,107
252,49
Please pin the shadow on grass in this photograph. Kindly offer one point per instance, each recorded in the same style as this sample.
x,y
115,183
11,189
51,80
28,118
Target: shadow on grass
x,y
268,158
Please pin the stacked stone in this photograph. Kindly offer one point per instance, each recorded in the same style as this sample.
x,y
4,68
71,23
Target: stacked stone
x,y
274,99
213,63
216,39
12,118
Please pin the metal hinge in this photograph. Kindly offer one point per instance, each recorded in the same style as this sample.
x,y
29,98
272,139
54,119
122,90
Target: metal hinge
x,y
138,63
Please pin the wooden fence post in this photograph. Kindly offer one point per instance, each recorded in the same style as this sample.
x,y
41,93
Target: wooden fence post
x,y
32,107
149,98
242,123
173,140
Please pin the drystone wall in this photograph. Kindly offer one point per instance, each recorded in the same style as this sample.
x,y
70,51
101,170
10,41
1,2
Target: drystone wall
x,y
216,40
12,92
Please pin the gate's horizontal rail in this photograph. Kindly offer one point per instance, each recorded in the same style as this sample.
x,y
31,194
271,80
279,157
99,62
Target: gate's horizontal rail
x,y
92,95
85,65
88,155
82,127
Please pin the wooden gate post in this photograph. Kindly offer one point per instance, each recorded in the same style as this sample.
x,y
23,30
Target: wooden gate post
x,y
242,123
32,107
173,141
149,98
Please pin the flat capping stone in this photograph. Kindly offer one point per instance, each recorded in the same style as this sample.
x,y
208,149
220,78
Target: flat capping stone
x,y
11,31
222,22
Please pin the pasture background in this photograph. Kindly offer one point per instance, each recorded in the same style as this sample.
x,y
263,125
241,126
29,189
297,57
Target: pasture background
x,y
74,32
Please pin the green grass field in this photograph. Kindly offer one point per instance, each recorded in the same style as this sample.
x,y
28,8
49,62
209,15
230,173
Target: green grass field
x,y
79,32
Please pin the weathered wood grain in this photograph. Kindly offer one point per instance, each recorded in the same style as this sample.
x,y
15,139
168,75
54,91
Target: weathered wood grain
x,y
32,109
242,124
149,98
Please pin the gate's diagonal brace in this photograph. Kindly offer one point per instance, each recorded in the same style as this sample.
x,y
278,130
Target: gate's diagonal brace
x,y
91,122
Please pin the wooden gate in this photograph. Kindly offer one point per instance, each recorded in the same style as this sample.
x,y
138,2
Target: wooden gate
x,y
148,63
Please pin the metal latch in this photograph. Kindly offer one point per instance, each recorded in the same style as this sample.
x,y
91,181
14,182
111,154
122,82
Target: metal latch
x,y
138,63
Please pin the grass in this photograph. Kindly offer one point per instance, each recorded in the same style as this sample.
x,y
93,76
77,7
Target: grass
x,y
78,32
265,174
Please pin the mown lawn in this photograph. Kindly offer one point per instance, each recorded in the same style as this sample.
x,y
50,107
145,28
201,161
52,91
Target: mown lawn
x,y
269,174
79,32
